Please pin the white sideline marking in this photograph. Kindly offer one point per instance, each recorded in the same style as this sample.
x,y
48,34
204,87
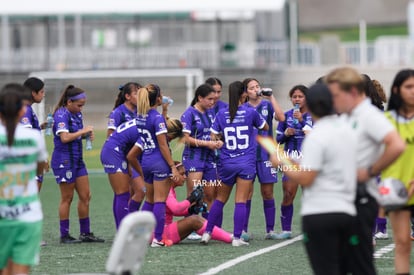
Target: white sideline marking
x,y
237,260
384,250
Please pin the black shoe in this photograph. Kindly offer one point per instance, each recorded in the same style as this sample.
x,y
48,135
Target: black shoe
x,y
90,238
69,239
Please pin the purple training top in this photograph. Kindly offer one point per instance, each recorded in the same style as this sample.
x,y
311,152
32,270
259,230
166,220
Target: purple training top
x,y
29,119
120,115
239,135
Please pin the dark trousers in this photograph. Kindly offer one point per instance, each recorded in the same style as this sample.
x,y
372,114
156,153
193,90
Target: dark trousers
x,y
326,239
361,259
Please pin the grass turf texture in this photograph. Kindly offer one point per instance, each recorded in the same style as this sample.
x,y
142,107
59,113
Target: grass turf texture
x,y
189,257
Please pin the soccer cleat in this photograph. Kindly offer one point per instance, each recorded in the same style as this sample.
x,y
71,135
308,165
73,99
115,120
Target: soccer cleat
x,y
162,243
90,238
68,239
270,236
284,235
205,238
381,236
43,243
238,242
194,237
245,236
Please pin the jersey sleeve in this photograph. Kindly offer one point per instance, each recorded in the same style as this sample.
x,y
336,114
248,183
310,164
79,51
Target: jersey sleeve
x,y
379,126
26,119
258,121
160,125
177,208
113,121
187,121
215,127
61,122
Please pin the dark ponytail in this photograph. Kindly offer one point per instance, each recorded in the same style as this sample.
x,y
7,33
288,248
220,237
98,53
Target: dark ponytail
x,y
10,106
125,89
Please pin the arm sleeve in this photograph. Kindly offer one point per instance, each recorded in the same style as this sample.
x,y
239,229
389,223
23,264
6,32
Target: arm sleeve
x,y
177,208
280,132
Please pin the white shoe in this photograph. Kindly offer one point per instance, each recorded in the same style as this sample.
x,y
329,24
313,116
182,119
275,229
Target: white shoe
x,y
271,235
238,242
381,236
284,235
246,236
156,243
194,237
205,238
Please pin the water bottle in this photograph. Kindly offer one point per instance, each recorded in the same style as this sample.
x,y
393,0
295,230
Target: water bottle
x,y
49,124
88,142
166,99
296,109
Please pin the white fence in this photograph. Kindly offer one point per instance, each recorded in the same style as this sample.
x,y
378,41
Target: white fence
x,y
382,52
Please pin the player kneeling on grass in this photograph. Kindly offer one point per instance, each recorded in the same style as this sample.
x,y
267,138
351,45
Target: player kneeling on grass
x,y
179,230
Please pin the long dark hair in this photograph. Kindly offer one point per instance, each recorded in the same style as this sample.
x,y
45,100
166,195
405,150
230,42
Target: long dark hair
x,y
125,89
213,81
69,92
10,105
319,100
33,84
396,102
235,91
203,90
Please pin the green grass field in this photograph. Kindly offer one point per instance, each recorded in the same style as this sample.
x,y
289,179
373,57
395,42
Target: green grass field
x,y
186,258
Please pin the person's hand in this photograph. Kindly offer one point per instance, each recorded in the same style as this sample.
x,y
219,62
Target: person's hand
x,y
88,130
290,132
298,115
196,195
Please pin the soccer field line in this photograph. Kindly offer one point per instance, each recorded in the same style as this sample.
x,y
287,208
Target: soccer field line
x,y
250,255
384,250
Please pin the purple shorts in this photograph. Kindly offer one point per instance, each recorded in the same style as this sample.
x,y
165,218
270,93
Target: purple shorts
x,y
69,175
113,161
229,172
265,172
208,167
155,170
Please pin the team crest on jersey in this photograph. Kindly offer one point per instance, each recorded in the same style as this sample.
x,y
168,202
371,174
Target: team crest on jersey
x,y
25,120
161,125
61,125
111,121
265,112
68,174
124,165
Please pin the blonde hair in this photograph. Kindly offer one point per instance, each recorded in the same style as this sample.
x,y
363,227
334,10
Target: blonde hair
x,y
147,98
346,78
174,128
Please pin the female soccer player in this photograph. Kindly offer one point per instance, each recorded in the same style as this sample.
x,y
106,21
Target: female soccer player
x,y
236,126
22,156
35,94
177,231
157,163
401,114
124,110
199,147
291,132
265,172
68,165
125,107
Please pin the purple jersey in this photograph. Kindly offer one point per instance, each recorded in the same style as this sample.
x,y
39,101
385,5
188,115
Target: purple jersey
x,y
239,135
29,119
197,125
124,137
293,143
265,109
120,115
67,155
153,124
212,112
